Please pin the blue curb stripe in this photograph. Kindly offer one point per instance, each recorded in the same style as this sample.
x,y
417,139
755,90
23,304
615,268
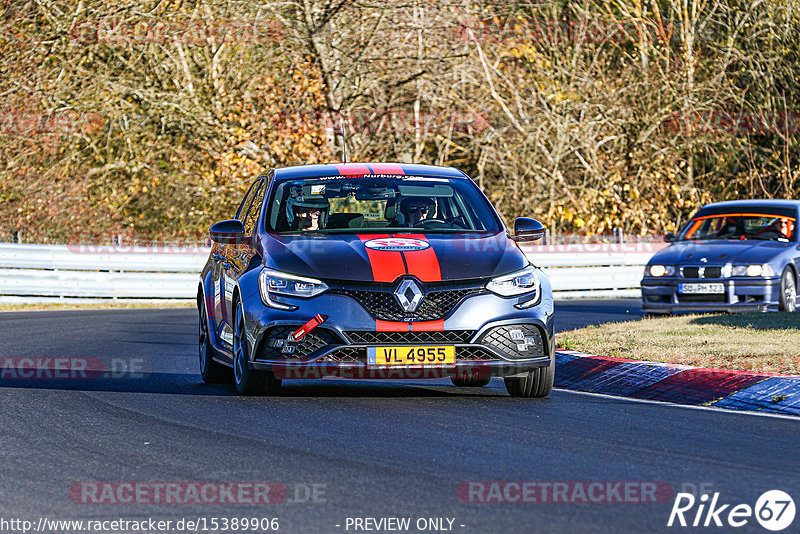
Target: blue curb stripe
x,y
760,397
628,378
580,371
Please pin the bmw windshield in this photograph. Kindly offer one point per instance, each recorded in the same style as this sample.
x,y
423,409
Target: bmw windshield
x,y
741,227
379,204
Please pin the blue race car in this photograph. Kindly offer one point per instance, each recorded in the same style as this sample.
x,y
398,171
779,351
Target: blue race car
x,y
373,270
731,256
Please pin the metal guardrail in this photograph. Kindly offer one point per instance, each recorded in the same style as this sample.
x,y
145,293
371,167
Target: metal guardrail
x,y
42,272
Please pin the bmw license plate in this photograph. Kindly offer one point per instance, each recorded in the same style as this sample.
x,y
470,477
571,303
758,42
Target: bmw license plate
x,y
701,288
437,355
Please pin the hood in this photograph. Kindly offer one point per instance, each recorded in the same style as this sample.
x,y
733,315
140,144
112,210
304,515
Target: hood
x,y
719,252
384,257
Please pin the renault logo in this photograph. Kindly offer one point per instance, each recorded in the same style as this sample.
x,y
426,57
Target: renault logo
x,y
409,295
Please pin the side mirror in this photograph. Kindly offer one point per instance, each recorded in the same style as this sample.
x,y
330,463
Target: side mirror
x,y
228,232
669,238
527,229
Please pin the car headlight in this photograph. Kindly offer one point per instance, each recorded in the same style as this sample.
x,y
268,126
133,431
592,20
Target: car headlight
x,y
517,283
660,270
753,270
271,283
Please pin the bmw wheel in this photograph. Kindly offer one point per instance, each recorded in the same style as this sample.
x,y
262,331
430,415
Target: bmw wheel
x,y
788,295
211,371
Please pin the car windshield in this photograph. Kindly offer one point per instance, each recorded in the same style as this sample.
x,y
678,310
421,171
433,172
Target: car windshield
x,y
378,204
741,226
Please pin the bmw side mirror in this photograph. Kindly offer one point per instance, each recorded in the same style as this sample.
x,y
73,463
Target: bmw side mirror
x,y
526,229
228,232
669,238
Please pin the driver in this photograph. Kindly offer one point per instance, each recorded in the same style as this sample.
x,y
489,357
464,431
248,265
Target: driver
x,y
786,228
416,209
306,214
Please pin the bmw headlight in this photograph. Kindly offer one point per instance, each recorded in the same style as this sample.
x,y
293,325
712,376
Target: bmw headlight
x,y
271,283
517,283
753,270
660,270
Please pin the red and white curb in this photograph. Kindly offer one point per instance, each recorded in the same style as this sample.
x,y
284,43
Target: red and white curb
x,y
680,384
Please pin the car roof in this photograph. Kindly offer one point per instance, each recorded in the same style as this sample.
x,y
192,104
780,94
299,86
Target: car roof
x,y
775,203
361,169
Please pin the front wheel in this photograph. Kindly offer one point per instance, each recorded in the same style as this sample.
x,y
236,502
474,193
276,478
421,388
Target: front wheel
x,y
211,371
788,297
248,381
536,383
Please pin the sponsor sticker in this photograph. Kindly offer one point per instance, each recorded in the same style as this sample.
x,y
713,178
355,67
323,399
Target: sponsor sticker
x,y
396,244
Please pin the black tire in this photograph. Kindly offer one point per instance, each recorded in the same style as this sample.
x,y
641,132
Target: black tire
x,y
536,383
247,381
470,381
211,371
788,296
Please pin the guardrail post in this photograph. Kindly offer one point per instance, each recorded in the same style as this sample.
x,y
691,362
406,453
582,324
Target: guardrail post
x,y
546,238
619,237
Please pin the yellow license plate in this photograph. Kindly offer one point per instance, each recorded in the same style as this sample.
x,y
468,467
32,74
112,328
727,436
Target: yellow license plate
x,y
437,355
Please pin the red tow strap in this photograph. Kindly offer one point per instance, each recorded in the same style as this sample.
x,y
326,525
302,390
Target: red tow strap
x,y
315,321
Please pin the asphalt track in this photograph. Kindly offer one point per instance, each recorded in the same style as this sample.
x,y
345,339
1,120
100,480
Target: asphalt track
x,y
375,449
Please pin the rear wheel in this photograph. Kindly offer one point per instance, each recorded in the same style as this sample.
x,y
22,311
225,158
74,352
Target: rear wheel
x,y
211,371
536,383
248,381
788,297
470,381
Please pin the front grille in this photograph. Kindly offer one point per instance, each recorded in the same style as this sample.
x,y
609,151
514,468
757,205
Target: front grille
x,y
310,343
452,337
518,342
382,304
474,354
702,272
345,355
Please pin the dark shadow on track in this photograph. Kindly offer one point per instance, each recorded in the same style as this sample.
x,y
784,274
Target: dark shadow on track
x,y
190,384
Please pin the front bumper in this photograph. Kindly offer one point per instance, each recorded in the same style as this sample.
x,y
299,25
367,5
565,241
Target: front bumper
x,y
661,295
491,336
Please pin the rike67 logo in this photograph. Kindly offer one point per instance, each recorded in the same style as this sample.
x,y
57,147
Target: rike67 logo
x,y
774,510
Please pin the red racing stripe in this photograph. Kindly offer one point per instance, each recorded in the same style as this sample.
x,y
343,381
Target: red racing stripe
x,y
352,169
386,265
422,263
390,326
386,168
428,326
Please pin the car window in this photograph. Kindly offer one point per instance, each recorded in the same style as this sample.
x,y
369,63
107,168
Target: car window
x,y
255,208
378,204
741,226
246,201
